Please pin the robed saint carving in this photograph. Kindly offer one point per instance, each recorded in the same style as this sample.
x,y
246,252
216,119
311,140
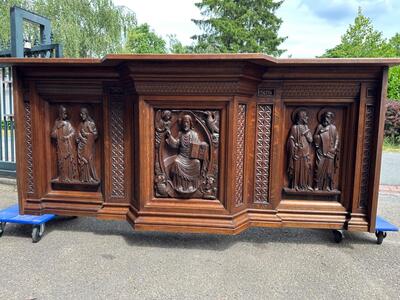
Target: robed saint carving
x,y
186,161
299,145
75,151
326,139
64,135
186,167
87,135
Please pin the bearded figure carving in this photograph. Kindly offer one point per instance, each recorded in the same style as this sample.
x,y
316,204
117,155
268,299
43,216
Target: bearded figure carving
x,y
326,139
298,147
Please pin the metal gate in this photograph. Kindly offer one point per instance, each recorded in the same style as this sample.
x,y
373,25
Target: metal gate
x,y
20,47
7,132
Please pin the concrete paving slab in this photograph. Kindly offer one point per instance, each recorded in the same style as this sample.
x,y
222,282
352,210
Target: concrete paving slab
x,y
85,258
390,169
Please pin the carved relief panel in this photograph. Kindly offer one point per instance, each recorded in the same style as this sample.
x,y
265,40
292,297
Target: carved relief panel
x,y
186,153
74,134
313,148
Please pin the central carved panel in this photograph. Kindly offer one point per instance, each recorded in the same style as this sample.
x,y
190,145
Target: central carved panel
x,y
186,153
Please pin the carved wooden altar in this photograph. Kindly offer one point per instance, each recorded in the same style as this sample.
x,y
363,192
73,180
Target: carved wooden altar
x,y
202,143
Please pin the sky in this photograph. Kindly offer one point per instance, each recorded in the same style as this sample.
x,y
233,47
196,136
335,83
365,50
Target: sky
x,y
311,26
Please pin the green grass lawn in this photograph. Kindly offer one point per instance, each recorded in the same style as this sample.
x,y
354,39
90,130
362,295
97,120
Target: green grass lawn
x,y
388,146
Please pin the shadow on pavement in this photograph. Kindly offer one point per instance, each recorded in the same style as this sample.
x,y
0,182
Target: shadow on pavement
x,y
259,237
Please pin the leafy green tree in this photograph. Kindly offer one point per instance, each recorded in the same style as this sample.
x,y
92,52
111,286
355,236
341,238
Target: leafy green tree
x,y
393,91
142,39
5,20
175,46
85,28
394,73
362,40
395,44
239,26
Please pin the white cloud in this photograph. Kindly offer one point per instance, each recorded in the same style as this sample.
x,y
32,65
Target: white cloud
x,y
166,17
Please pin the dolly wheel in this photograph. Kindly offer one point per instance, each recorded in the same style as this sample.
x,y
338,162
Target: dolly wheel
x,y
37,233
338,235
2,226
380,235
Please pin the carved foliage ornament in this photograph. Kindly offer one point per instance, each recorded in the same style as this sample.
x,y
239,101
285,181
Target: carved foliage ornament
x,y
186,153
301,142
75,149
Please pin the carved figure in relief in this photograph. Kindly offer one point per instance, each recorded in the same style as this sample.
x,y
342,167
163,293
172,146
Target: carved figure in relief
x,y
209,189
64,134
298,148
212,121
326,139
187,169
163,124
87,135
161,185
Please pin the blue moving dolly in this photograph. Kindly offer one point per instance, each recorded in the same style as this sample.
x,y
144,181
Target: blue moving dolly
x,y
11,215
381,228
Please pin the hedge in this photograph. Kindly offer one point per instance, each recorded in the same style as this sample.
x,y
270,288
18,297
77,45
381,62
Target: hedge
x,y
392,122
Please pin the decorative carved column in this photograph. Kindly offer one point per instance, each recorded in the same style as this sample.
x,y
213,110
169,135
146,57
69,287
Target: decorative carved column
x,y
366,159
117,132
240,155
30,186
262,157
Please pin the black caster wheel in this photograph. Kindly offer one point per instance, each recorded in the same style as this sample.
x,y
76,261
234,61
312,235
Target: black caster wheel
x,y
338,235
380,235
37,233
2,226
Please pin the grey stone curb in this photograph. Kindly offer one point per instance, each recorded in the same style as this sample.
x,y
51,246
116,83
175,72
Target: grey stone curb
x,y
8,181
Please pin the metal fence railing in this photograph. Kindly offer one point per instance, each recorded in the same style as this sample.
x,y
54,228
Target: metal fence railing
x,y
7,132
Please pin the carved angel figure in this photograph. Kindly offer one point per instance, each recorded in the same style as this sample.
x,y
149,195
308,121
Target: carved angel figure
x,y
187,168
64,134
326,141
87,135
298,148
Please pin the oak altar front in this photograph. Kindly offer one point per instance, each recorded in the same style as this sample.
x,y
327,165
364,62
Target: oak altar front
x,y
202,143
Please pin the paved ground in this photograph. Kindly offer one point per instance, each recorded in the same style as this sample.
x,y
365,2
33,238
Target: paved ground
x,y
390,169
86,258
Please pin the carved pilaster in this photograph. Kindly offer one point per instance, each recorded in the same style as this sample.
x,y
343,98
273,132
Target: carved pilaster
x,y
30,187
117,149
367,151
240,147
263,146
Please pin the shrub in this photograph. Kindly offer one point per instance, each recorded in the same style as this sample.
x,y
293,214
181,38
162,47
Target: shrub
x,y
392,122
